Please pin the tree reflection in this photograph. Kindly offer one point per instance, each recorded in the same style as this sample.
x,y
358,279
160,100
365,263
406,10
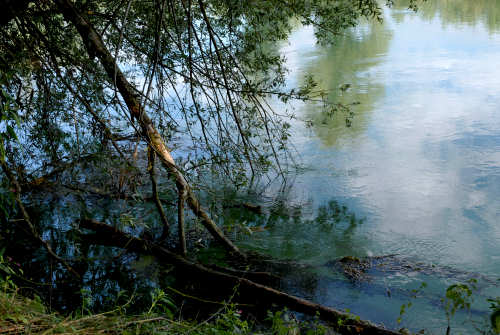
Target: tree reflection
x,y
456,12
344,71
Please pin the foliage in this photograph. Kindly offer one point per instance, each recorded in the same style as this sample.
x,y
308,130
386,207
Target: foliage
x,y
161,303
282,324
414,293
23,314
285,323
20,314
201,69
8,120
458,296
495,314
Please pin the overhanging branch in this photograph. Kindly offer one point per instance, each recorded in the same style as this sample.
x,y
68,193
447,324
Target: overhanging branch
x,y
95,46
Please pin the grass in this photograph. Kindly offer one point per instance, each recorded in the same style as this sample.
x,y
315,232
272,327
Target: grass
x,y
23,315
27,314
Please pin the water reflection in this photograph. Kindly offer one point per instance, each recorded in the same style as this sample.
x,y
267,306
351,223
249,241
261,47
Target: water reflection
x,y
421,160
329,230
455,12
344,70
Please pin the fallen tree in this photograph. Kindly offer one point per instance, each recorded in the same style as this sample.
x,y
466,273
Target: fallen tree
x,y
95,46
342,322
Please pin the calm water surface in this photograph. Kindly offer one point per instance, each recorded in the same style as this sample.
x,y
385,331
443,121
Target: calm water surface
x,y
420,162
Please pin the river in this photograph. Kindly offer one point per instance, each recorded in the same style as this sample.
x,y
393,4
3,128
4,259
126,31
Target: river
x,y
417,163
412,170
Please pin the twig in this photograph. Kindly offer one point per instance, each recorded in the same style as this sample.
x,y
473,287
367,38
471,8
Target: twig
x,y
203,300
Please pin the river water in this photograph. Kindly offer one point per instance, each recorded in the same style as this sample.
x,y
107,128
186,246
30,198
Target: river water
x,y
419,165
414,172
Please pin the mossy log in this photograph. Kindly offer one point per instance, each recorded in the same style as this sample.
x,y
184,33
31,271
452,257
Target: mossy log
x,y
266,296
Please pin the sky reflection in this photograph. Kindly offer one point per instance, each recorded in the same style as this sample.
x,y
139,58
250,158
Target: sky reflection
x,y
422,157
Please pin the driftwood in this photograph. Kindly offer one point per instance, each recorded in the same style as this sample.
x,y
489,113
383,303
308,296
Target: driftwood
x,y
342,322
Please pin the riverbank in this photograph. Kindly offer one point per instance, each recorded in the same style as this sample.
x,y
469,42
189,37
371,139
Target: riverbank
x,y
20,314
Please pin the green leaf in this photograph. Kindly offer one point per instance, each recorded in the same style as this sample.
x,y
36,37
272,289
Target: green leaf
x,y
495,321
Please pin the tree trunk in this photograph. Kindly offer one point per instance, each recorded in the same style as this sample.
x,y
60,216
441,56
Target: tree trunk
x,y
95,46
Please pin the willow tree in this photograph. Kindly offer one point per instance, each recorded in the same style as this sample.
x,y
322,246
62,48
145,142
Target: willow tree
x,y
89,77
